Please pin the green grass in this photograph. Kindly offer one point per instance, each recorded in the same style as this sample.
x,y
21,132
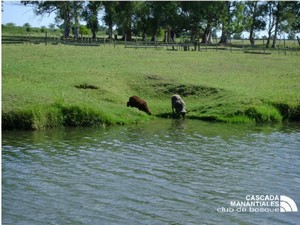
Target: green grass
x,y
51,86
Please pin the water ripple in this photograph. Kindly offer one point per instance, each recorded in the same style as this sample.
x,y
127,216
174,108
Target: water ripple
x,y
159,174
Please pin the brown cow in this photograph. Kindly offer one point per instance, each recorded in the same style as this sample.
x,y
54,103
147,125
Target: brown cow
x,y
137,102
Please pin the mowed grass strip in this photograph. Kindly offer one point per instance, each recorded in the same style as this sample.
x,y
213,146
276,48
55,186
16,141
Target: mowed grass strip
x,y
51,86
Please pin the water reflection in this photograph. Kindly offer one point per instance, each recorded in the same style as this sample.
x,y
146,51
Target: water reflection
x,y
161,172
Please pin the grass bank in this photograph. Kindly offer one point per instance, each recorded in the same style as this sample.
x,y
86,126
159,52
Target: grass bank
x,y
52,86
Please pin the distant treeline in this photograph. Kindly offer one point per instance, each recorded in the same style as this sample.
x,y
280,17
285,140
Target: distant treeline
x,y
27,29
198,19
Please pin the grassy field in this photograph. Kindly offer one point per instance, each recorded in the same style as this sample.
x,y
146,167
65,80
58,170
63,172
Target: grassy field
x,y
48,86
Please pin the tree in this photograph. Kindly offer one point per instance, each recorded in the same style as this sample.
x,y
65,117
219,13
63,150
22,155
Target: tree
x,y
283,17
62,9
110,16
10,25
192,16
232,20
171,20
76,8
51,26
201,17
126,11
27,27
210,10
83,30
278,15
255,18
164,15
91,16
43,29
154,18
291,18
271,20
64,12
296,12
141,20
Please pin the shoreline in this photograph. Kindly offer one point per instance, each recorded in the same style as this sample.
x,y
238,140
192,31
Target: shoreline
x,y
75,116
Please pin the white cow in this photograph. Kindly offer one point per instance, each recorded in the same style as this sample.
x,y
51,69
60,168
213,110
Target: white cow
x,y
178,105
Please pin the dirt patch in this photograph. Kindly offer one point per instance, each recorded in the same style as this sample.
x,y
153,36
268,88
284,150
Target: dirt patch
x,y
188,90
154,77
86,86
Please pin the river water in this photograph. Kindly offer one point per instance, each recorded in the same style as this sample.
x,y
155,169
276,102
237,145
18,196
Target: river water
x,y
160,172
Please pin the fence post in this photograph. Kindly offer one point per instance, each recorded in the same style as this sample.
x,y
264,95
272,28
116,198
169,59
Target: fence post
x,y
46,38
243,47
135,42
279,46
125,40
284,46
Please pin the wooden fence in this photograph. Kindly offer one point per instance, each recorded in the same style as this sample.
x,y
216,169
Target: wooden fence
x,y
283,46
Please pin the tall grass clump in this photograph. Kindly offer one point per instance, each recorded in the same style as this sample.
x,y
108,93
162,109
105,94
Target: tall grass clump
x,y
81,116
42,117
264,113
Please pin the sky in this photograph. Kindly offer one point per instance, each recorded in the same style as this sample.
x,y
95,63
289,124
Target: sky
x,y
14,12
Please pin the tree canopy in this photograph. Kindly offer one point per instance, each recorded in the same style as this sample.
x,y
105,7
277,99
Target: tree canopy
x,y
199,19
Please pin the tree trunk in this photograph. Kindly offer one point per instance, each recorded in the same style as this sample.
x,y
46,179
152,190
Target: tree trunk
x,y
254,12
277,18
144,36
269,36
275,33
224,36
94,35
67,20
110,30
172,36
66,31
269,39
154,35
225,25
207,36
167,37
67,28
251,37
76,25
76,32
127,30
128,35
193,34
